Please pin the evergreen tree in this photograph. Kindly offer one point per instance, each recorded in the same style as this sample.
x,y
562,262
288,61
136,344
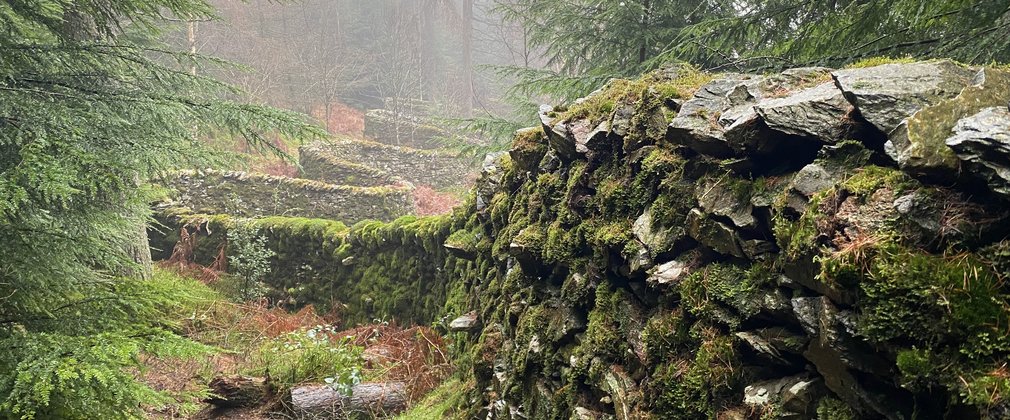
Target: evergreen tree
x,y
89,109
775,34
586,42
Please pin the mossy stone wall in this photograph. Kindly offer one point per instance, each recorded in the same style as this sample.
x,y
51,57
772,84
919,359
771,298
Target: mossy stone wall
x,y
371,270
249,195
317,164
402,130
438,169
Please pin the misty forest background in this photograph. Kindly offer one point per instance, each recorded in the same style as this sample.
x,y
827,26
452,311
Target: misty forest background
x,y
99,96
487,64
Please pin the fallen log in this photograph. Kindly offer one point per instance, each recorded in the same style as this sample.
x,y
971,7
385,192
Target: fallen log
x,y
238,391
377,399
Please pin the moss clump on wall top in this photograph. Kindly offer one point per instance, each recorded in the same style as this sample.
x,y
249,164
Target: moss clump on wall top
x,y
679,82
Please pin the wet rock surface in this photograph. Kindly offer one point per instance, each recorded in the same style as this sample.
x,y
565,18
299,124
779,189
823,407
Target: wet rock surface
x,y
982,143
787,225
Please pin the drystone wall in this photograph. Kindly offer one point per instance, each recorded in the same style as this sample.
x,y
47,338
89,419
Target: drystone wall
x,y
439,169
368,271
249,195
402,130
813,244
319,164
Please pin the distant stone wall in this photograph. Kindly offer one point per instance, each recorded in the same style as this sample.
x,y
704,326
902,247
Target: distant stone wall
x,y
251,195
320,165
422,167
384,126
397,270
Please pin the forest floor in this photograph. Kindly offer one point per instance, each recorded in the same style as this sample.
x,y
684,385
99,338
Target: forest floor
x,y
253,339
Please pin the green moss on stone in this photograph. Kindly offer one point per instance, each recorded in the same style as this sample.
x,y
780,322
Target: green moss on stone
x,y
830,408
724,293
868,179
665,335
929,128
700,386
879,61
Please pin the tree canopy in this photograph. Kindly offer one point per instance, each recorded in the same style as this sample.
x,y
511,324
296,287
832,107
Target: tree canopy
x,y
776,34
587,41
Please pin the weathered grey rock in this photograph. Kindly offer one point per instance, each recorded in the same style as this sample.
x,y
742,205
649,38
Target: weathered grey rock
x,y
837,354
623,392
655,239
559,135
716,196
931,214
465,322
773,304
668,273
919,143
812,179
639,262
621,120
982,143
700,124
774,344
714,234
745,128
758,250
795,397
807,310
594,140
819,112
887,94
489,179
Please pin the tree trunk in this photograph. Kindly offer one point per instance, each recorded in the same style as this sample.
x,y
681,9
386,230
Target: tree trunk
x,y
191,39
139,249
238,391
643,49
375,399
468,93
312,401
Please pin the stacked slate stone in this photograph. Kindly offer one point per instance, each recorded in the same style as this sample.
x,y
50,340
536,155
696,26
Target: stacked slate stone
x,y
816,243
403,129
243,194
350,161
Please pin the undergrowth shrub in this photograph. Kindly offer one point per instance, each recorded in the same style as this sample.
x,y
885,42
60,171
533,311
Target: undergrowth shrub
x,y
310,355
250,260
